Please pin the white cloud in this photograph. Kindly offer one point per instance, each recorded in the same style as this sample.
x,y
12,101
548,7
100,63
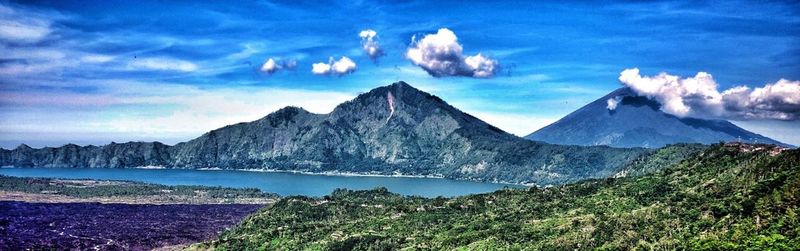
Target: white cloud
x,y
611,103
320,68
676,95
163,64
270,66
698,96
273,65
441,55
480,66
779,100
369,41
340,67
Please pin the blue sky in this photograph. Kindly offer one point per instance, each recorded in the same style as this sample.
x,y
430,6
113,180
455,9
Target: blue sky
x,y
94,72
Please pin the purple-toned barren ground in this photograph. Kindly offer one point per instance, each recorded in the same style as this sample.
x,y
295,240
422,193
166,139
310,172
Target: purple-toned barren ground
x,y
84,226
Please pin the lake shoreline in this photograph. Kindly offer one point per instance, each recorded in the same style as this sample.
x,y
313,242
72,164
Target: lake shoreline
x,y
325,173
356,174
281,182
128,200
61,190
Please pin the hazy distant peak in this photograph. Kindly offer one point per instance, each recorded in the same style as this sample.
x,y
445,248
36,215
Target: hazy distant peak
x,y
22,147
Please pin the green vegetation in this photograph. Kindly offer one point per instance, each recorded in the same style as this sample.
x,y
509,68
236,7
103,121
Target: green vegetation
x,y
659,159
735,197
107,188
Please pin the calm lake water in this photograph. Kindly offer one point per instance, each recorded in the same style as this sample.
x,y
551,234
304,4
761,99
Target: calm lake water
x,y
281,183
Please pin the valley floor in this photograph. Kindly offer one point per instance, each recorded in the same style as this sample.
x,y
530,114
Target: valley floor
x,y
84,226
56,214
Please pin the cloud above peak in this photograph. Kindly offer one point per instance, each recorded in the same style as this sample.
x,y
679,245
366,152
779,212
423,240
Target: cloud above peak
x,y
441,55
369,41
678,96
340,67
698,96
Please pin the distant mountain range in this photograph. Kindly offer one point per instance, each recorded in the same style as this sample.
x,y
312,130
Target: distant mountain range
x,y
390,130
637,122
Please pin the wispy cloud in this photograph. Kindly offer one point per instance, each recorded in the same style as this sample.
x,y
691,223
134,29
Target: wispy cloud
x,y
162,64
16,31
248,50
22,27
97,58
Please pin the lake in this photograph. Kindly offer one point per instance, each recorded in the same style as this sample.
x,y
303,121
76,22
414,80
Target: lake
x,y
281,183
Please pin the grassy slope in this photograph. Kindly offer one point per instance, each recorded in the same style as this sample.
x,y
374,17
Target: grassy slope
x,y
723,198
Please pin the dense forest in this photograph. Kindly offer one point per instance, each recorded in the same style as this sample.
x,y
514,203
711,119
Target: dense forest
x,y
727,197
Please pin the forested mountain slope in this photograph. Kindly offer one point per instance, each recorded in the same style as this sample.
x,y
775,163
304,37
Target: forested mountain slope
x,y
729,197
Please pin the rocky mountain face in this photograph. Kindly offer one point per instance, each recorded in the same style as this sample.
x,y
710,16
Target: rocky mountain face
x,y
394,129
638,122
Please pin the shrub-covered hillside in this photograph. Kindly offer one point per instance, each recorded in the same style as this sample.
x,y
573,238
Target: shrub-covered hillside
x,y
733,197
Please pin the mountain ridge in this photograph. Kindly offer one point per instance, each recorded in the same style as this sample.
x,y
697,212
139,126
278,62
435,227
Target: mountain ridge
x,y
393,129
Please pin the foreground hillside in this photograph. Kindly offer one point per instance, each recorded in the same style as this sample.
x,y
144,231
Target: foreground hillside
x,y
394,129
725,198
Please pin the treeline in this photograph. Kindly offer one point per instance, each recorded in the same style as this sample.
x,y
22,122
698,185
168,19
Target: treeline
x,y
106,188
734,197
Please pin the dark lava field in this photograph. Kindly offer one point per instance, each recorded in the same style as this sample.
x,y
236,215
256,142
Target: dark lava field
x,y
62,226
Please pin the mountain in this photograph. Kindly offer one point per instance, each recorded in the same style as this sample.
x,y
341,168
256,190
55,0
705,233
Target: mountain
x,y
394,129
727,197
638,122
114,155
